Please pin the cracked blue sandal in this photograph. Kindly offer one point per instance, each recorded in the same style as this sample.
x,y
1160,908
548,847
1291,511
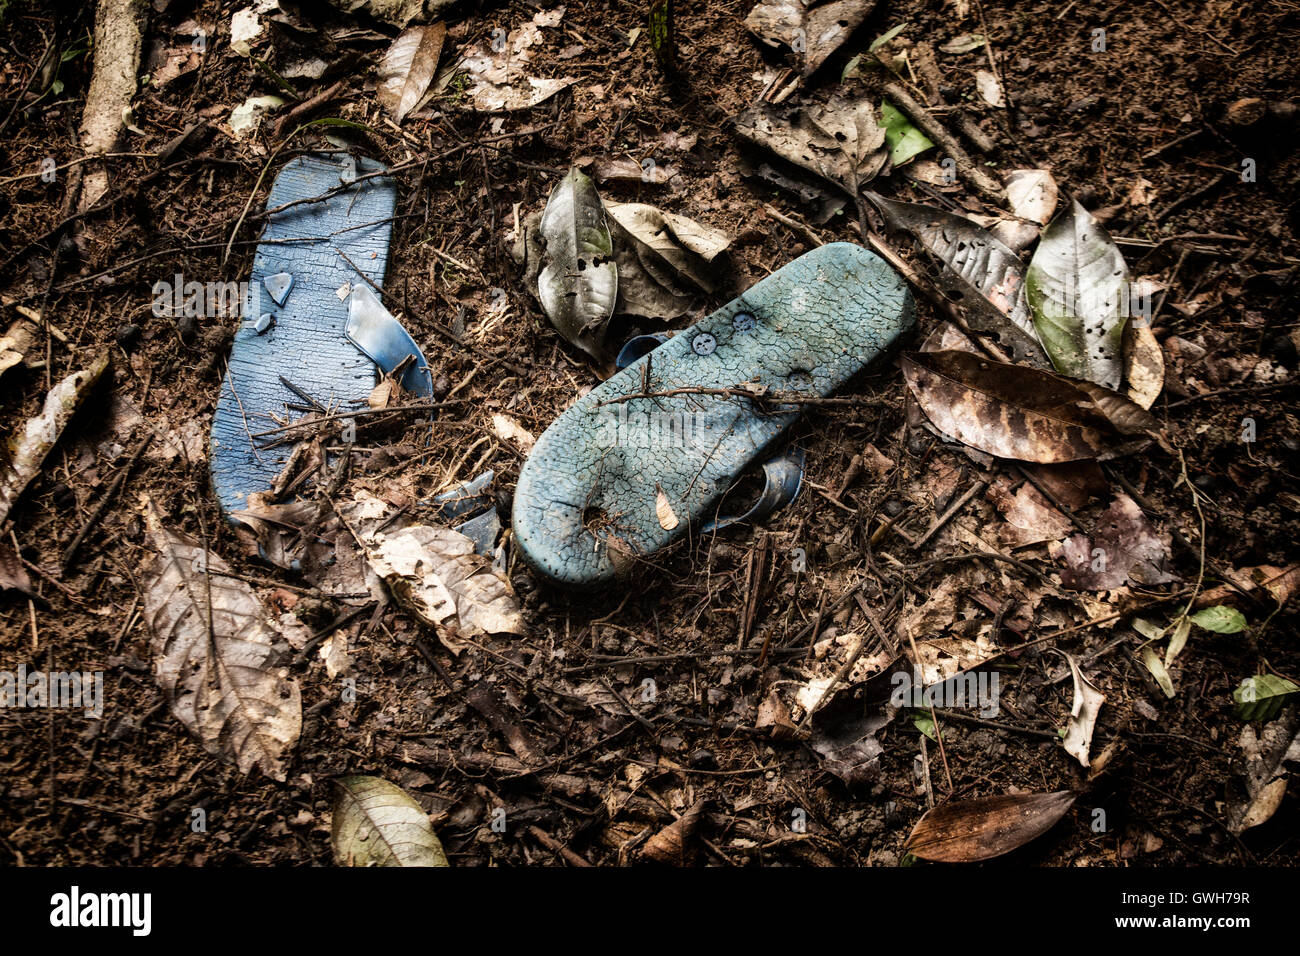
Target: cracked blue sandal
x,y
647,456
313,328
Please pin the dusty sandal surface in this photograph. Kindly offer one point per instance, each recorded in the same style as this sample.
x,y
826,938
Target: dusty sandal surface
x,y
615,477
298,339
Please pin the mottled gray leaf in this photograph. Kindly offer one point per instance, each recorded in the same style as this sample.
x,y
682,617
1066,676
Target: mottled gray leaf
x,y
1077,288
579,283
979,273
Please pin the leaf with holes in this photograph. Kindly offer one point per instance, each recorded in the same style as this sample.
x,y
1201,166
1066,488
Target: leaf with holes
x,y
1077,289
578,285
377,823
214,655
966,831
435,574
976,271
841,141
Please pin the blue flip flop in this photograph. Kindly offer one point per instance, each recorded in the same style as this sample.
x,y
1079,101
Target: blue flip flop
x,y
642,459
313,327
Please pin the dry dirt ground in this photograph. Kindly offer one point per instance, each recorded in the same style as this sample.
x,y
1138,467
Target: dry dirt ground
x,y
1136,131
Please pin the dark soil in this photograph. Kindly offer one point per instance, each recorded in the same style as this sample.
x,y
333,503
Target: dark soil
x,y
1149,109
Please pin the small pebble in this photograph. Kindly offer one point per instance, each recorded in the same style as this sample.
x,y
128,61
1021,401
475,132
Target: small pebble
x,y
128,336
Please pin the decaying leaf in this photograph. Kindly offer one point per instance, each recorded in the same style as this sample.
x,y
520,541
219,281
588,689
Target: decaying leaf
x,y
664,509
1151,660
1265,778
15,343
579,284
813,34
435,574
1032,195
967,831
674,845
510,430
841,141
1144,364
1123,548
214,656
377,823
500,78
664,260
849,749
977,271
407,69
13,576
1083,714
989,88
1014,411
1077,289
27,447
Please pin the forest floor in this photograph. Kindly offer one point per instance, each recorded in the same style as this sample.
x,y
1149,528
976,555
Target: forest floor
x,y
587,765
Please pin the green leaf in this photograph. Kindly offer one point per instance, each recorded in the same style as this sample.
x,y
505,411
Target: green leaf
x,y
1077,287
884,38
1220,619
1262,697
925,724
905,141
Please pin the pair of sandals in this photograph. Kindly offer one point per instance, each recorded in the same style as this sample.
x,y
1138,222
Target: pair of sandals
x,y
629,468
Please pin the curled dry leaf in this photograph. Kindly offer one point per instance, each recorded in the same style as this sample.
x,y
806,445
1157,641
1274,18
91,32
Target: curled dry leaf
x,y
1077,289
1032,195
813,34
977,271
674,845
377,823
26,448
664,509
1013,411
214,656
407,69
966,831
435,574
1144,364
663,259
578,285
1123,548
1083,714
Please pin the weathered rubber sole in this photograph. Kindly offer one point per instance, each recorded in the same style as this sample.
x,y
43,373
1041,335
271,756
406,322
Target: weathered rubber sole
x,y
616,478
302,337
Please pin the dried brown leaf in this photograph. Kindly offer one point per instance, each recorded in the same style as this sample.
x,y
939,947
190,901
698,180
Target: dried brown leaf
x,y
970,830
214,656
